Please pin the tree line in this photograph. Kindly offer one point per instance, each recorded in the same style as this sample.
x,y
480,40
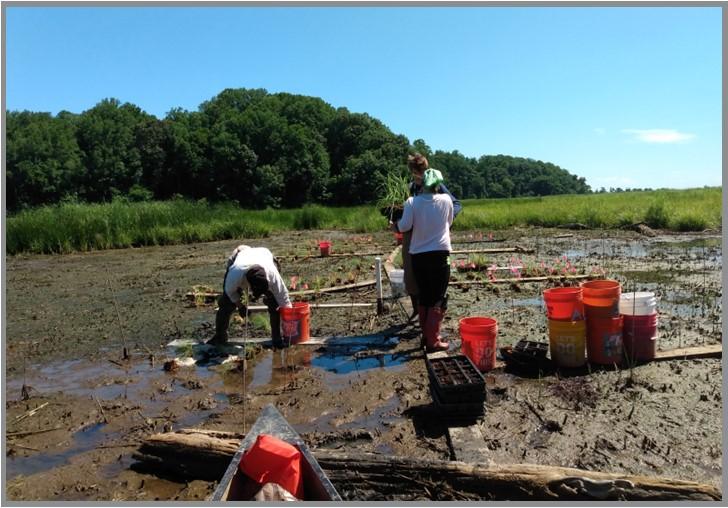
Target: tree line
x,y
246,146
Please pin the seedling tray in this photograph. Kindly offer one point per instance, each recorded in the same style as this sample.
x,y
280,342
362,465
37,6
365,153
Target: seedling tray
x,y
456,379
457,411
529,347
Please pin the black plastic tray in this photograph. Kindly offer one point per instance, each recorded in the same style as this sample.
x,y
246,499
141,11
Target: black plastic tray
x,y
538,349
457,410
456,379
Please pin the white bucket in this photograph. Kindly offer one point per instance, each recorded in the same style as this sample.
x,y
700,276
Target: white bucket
x,y
637,304
396,280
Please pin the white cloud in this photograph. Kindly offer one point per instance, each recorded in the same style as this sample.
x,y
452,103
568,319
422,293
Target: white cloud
x,y
659,135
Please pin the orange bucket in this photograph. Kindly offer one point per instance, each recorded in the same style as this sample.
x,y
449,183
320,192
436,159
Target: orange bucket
x,y
564,304
604,340
478,341
601,298
294,322
325,247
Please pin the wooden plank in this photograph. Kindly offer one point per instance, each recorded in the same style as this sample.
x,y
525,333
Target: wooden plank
x,y
687,353
266,341
467,444
492,251
522,279
317,306
212,294
304,257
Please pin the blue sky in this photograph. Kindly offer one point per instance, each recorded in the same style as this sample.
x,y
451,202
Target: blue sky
x,y
624,96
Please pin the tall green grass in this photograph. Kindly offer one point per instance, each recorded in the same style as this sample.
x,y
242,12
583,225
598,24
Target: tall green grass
x,y
678,210
72,227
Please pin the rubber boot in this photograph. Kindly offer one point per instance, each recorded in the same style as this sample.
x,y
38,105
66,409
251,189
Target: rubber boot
x,y
422,314
275,320
432,330
222,322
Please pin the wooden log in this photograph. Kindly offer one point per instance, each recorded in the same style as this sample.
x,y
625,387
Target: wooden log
x,y
186,455
508,481
204,457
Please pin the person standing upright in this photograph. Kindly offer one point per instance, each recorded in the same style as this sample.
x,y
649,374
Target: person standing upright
x,y
418,164
429,216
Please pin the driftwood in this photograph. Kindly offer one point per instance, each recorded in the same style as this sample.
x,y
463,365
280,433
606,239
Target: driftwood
x,y
643,229
187,454
201,456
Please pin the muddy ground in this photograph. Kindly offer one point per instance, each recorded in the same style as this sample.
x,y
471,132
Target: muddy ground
x,y
69,319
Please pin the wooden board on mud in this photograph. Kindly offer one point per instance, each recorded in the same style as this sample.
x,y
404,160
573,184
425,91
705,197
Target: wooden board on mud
x,y
376,340
467,444
687,353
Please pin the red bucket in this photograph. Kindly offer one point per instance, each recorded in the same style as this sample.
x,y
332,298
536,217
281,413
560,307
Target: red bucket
x,y
325,247
294,322
478,341
640,337
604,340
564,304
398,237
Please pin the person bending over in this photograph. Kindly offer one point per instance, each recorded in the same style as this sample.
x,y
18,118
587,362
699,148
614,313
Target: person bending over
x,y
254,269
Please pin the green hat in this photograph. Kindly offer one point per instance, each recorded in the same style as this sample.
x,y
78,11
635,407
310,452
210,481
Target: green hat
x,y
432,178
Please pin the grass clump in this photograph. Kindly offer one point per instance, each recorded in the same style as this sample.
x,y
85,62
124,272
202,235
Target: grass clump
x,y
657,215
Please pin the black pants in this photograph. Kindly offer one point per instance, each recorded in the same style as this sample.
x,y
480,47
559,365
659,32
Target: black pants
x,y
226,308
432,272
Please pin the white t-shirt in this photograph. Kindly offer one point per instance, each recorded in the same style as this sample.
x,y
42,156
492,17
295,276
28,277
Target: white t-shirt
x,y
246,258
429,216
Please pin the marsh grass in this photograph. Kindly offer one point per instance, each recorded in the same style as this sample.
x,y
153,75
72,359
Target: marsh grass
x,y
70,227
680,210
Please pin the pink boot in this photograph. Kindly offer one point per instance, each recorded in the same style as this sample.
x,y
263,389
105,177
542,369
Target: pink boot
x,y
432,330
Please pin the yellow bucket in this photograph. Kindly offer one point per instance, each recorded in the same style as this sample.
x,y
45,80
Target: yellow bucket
x,y
567,341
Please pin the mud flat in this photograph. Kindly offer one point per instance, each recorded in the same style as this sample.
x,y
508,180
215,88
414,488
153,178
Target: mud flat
x,y
71,432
